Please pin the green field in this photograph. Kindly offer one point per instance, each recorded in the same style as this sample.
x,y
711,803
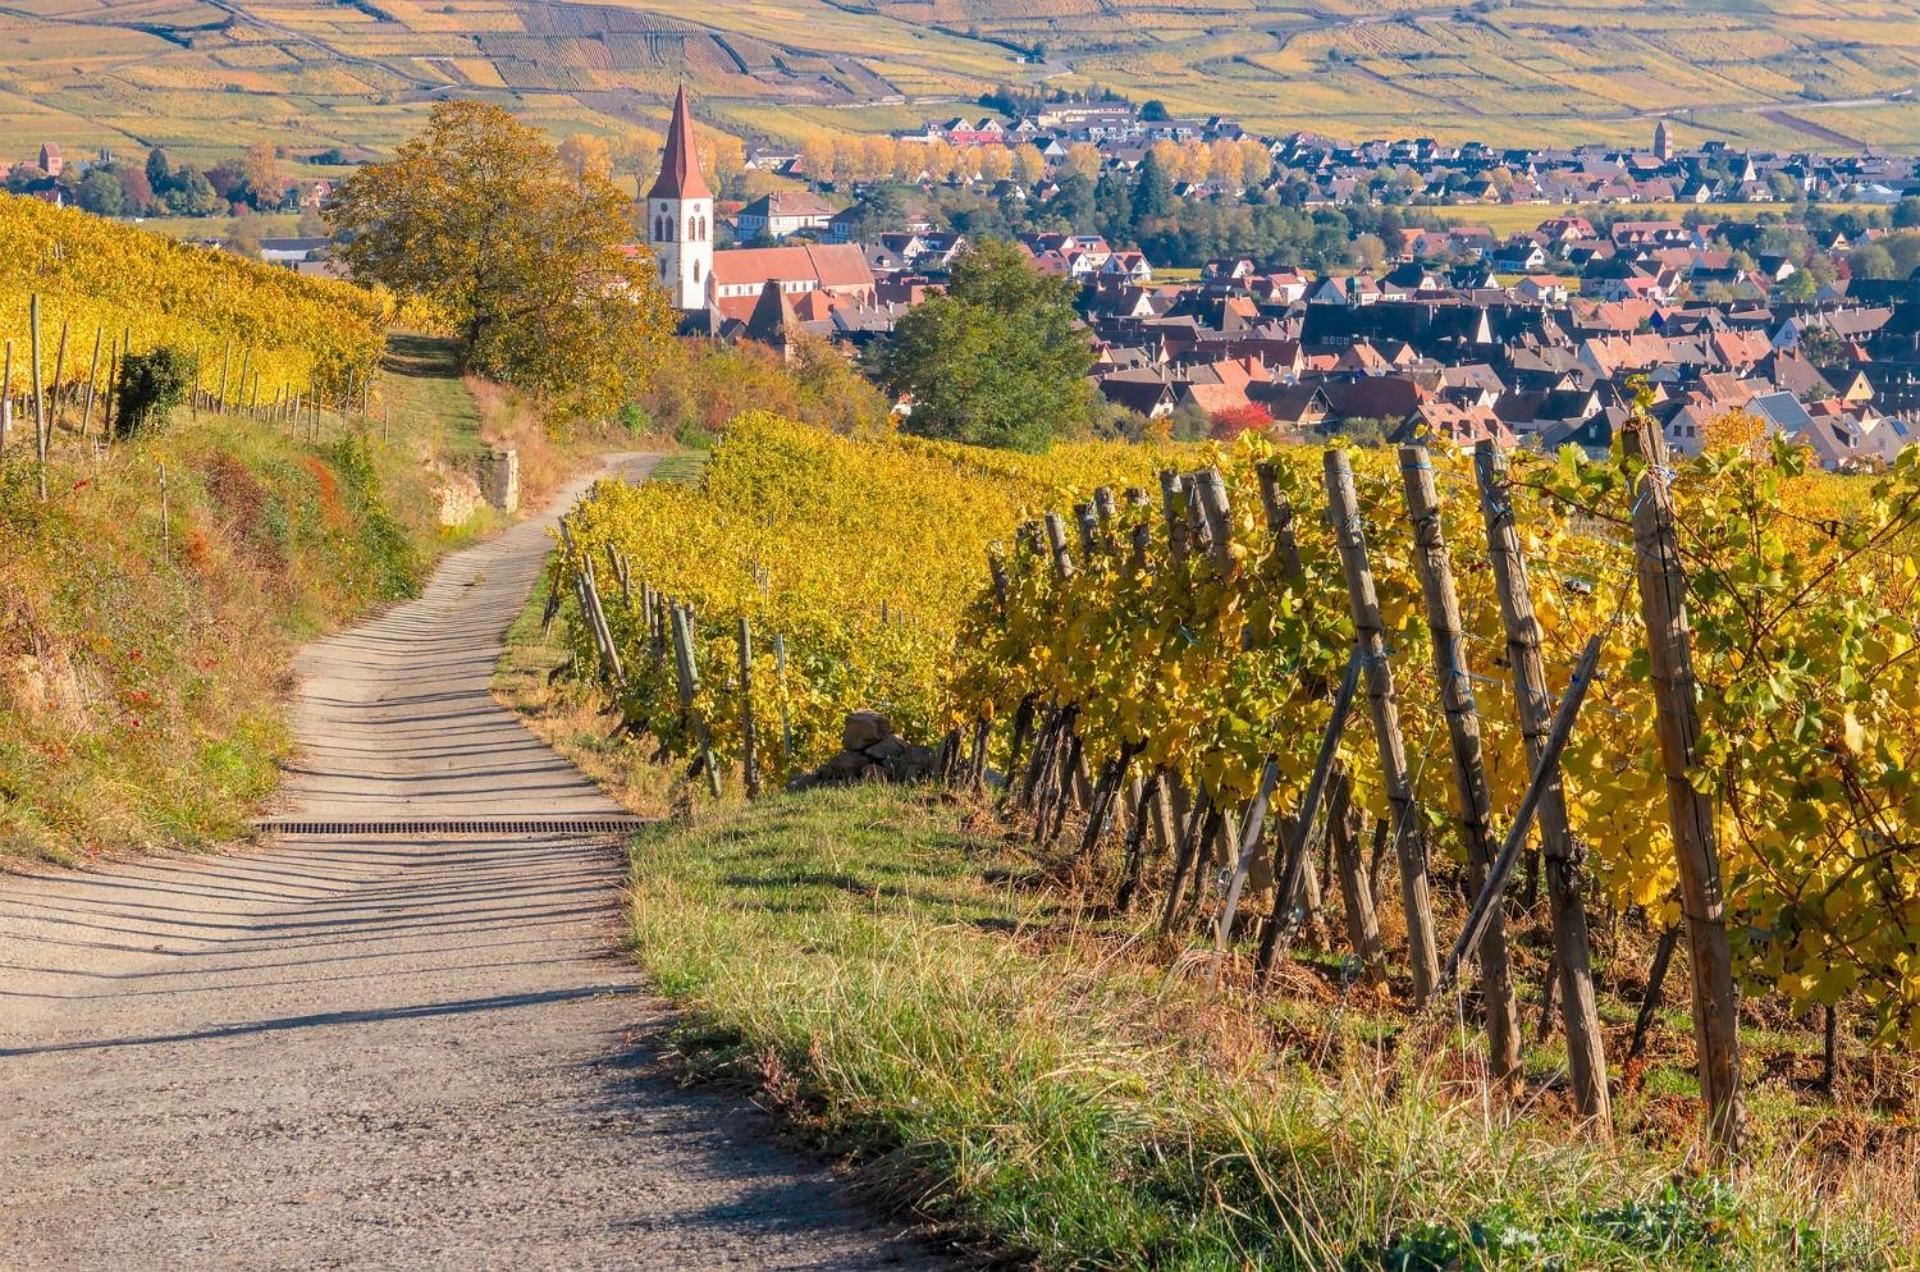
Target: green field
x,y
203,76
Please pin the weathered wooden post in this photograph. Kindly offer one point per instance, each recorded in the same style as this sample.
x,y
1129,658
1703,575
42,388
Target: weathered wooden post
x,y
997,571
1663,606
1142,535
780,677
6,401
110,397
1107,511
39,396
1290,879
1586,1052
1279,514
597,621
59,376
1089,525
166,532
1057,545
93,377
1173,506
1487,902
1363,926
1210,499
1344,503
226,365
689,680
749,762
1434,564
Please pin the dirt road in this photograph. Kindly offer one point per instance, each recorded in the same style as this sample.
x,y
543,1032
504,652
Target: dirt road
x,y
374,1049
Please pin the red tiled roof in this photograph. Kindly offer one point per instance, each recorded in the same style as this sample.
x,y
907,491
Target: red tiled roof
x,y
827,265
680,162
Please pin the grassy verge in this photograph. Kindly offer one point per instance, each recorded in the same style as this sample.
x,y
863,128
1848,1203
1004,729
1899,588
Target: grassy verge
x,y
895,974
143,657
913,997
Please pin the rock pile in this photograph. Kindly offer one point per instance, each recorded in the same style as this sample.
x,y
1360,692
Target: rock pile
x,y
869,751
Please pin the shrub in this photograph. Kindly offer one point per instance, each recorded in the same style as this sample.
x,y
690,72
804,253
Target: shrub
x,y
151,385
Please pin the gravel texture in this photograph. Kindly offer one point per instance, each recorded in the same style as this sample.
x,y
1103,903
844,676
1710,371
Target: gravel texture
x,y
384,1050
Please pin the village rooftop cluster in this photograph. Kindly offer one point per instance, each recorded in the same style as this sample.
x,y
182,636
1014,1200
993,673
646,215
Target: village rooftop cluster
x,y
1538,338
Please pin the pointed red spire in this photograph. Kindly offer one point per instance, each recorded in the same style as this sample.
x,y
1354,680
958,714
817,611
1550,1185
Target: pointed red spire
x,y
680,162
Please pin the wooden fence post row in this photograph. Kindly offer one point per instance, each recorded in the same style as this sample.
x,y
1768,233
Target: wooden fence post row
x,y
1193,829
1048,765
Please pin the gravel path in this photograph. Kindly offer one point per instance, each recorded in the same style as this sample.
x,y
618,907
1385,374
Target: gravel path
x,y
382,1050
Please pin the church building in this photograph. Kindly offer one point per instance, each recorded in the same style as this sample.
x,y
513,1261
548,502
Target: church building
x,y
714,289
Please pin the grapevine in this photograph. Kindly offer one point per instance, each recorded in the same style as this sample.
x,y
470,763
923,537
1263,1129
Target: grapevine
x,y
94,275
871,558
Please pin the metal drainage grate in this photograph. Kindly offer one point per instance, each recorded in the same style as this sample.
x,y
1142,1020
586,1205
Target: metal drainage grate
x,y
461,826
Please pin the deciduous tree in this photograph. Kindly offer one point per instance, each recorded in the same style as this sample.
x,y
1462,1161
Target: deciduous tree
x,y
584,153
1000,361
530,265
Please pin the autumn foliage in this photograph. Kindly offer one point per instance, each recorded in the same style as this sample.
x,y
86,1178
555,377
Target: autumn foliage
x,y
1225,425
526,254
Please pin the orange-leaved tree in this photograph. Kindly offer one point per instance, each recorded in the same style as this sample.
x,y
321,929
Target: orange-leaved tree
x,y
529,261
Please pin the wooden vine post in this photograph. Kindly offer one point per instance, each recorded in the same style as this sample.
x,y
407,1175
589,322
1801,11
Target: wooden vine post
x,y
1586,1049
110,396
1344,503
6,400
59,375
1363,926
240,384
780,678
1488,901
1173,496
226,365
1663,606
1435,566
749,762
1291,879
93,380
39,395
689,683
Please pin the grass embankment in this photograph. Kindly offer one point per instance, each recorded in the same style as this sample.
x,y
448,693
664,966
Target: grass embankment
x,y
913,994
143,665
921,994
142,662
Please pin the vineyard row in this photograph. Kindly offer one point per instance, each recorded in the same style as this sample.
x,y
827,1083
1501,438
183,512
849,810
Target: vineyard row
x,y
1207,662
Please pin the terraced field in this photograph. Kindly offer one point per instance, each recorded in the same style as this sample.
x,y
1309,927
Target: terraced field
x,y
194,74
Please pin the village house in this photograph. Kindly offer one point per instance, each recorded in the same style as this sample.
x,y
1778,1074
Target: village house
x,y
781,215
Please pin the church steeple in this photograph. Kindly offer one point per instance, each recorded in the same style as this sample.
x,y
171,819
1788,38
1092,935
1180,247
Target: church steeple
x,y
680,176
679,213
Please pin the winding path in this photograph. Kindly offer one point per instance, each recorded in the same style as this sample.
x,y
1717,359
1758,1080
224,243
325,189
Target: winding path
x,y
380,1049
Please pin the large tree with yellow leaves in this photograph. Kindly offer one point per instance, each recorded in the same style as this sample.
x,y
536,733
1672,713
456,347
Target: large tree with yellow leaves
x,y
528,260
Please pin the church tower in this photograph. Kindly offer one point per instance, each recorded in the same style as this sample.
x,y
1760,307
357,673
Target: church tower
x,y
679,211
1663,142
